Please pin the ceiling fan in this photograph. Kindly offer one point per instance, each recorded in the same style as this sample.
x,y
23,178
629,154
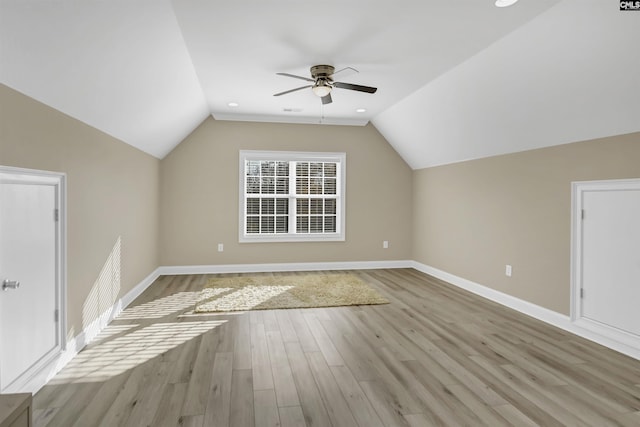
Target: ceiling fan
x,y
322,79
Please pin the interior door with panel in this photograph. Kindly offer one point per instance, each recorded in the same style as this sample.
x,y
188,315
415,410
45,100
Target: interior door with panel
x,y
611,257
29,276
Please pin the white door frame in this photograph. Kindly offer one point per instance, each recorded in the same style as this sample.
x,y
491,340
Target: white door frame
x,y
578,190
34,377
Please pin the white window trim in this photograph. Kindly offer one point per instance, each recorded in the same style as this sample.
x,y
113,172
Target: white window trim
x,y
292,156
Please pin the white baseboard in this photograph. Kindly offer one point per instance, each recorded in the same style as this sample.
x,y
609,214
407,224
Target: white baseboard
x,y
626,345
268,268
91,331
88,334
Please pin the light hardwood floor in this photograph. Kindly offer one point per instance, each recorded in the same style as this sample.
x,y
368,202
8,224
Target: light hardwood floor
x,y
436,355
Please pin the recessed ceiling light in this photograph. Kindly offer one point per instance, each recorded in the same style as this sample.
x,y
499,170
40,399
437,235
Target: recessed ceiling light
x,y
233,104
361,110
505,3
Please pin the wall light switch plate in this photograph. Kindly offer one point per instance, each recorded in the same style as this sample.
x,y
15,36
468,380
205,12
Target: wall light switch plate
x,y
507,270
385,244
220,247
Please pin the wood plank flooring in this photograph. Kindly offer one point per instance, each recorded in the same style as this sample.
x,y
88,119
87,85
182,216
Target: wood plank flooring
x,y
436,355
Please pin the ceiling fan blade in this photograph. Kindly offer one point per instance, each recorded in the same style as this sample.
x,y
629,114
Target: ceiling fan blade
x,y
326,99
347,71
359,88
291,90
296,77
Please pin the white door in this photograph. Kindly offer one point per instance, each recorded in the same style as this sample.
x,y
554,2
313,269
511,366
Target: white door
x,y
29,293
611,257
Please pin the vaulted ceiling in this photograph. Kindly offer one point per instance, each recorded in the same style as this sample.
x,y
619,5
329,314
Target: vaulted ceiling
x,y
456,80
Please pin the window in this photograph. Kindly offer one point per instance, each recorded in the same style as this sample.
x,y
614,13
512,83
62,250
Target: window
x,y
289,196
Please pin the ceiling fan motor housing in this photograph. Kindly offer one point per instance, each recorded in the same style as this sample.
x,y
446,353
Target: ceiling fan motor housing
x,y
322,72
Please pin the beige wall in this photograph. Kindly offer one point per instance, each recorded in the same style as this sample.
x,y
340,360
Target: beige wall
x,y
199,203
112,200
129,212
473,218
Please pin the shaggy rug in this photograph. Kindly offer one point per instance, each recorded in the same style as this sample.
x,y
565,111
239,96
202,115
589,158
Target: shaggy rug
x,y
263,292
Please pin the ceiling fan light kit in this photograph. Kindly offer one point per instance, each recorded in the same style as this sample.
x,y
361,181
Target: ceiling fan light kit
x,y
321,89
322,79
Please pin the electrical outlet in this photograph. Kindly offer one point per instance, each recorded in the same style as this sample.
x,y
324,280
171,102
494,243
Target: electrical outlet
x,y
220,247
507,270
385,244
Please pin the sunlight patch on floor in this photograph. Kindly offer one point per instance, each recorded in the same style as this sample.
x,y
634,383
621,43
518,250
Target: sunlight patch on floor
x,y
246,297
160,307
110,332
113,357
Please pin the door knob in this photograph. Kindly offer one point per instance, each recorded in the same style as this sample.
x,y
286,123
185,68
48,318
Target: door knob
x,y
10,284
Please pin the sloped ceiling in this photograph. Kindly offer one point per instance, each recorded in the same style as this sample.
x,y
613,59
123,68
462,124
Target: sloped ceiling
x,y
457,80
569,75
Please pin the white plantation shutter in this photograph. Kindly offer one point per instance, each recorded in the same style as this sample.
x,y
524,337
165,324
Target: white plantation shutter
x,y
289,196
266,196
316,196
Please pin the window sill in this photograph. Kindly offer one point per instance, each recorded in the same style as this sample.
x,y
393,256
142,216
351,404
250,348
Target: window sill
x,y
292,238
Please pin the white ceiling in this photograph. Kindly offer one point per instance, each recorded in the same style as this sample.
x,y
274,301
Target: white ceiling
x,y
456,79
569,75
